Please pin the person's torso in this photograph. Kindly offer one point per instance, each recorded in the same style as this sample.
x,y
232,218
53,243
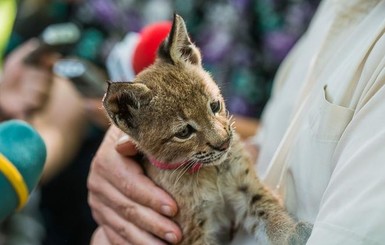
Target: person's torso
x,y
337,61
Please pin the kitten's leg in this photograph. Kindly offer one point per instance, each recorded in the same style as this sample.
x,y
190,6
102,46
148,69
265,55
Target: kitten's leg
x,y
301,234
196,231
259,211
263,215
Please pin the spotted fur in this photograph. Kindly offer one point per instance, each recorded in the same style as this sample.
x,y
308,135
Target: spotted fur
x,y
175,113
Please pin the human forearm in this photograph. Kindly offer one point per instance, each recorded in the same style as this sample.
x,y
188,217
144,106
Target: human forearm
x,y
62,125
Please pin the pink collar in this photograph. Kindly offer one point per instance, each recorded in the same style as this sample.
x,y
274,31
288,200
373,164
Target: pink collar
x,y
169,166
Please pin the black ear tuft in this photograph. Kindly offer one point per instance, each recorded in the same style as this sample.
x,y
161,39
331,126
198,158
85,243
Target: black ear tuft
x,y
123,102
164,52
165,46
178,48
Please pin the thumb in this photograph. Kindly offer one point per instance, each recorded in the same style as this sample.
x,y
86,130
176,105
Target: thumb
x,y
126,147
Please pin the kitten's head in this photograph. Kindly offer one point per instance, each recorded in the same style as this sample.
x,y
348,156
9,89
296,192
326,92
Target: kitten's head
x,y
173,109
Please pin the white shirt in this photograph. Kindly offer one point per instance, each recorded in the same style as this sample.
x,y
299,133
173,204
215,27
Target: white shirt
x,y
323,131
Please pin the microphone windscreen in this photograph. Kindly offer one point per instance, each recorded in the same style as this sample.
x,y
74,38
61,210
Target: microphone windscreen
x,y
22,147
150,38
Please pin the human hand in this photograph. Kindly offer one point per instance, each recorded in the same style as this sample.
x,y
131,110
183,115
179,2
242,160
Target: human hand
x,y
129,207
63,128
24,88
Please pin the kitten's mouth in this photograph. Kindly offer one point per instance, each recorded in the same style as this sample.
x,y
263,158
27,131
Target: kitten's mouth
x,y
213,158
214,161
195,163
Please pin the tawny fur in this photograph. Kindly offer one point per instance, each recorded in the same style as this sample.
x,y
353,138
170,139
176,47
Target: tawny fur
x,y
176,94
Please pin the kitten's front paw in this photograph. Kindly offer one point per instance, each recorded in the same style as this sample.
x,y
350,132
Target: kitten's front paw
x,y
301,233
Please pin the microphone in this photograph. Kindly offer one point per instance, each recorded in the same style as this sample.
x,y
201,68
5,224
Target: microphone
x,y
22,158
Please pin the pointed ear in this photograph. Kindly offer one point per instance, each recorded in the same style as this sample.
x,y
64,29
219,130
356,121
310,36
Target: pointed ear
x,y
123,102
178,47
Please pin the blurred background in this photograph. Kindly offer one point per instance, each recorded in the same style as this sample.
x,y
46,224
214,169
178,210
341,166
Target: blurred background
x,y
242,42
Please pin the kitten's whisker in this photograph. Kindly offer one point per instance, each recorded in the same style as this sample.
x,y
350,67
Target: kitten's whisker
x,y
179,167
194,162
185,168
199,169
183,171
229,117
180,170
232,127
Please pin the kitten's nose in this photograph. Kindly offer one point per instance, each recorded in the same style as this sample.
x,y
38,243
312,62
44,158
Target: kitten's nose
x,y
224,146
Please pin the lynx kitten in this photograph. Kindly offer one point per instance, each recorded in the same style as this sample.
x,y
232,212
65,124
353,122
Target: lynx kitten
x,y
175,113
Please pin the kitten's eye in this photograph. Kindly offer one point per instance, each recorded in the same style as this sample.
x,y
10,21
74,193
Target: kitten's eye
x,y
215,106
185,133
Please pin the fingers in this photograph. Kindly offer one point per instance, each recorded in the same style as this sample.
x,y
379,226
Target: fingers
x,y
24,50
140,216
36,79
24,88
125,200
127,175
49,59
35,87
113,237
126,147
40,55
99,237
30,45
129,179
122,229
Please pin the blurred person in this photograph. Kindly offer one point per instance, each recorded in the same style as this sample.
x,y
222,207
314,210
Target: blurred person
x,y
319,143
56,109
36,96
